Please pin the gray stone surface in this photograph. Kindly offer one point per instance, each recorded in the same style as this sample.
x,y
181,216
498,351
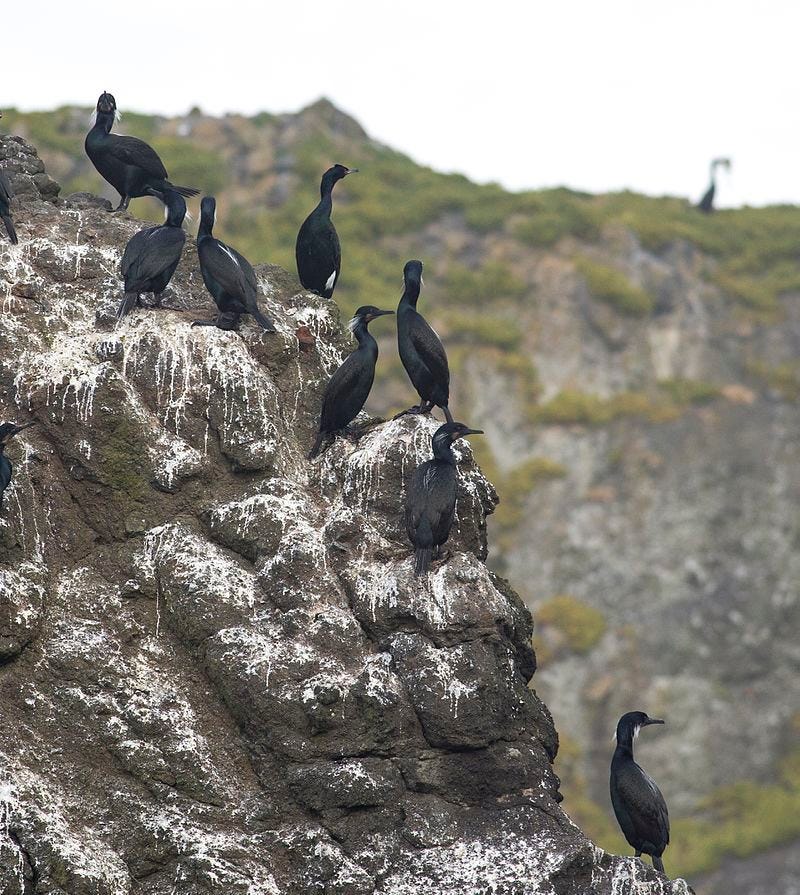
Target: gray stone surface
x,y
218,674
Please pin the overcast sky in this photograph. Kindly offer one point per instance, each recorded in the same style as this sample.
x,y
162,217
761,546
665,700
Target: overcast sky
x,y
594,95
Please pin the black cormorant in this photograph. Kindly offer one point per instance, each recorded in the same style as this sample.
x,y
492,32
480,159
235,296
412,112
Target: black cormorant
x,y
706,204
640,808
318,254
228,276
349,387
6,194
421,350
431,496
152,255
7,430
131,166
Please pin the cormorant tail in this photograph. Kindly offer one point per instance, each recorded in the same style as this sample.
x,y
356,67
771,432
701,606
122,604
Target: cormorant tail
x,y
422,559
12,233
127,304
658,863
185,191
265,322
448,415
317,446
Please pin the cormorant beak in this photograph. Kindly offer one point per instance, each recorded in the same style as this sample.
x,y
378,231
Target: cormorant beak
x,y
470,432
379,314
653,721
351,171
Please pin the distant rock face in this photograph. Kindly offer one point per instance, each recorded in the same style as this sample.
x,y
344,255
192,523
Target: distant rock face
x,y
217,671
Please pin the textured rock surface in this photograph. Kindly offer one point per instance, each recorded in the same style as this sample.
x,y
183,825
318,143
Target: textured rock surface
x,y
216,671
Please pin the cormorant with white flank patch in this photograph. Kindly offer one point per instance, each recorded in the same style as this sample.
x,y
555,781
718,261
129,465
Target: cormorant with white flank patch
x,y
640,808
228,276
7,431
431,496
706,204
152,255
318,254
131,166
6,194
349,387
421,350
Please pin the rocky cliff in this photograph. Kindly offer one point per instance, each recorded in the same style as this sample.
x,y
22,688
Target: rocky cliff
x,y
217,672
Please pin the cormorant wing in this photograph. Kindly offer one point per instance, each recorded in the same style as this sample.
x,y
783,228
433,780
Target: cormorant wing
x,y
429,497
153,253
224,266
430,349
246,267
6,192
339,387
133,151
645,806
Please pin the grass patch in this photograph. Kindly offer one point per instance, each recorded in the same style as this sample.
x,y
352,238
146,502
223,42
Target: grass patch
x,y
612,287
580,626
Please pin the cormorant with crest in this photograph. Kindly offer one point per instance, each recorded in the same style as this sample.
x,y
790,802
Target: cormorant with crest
x,y
431,496
706,204
152,255
7,431
421,350
131,166
228,276
640,808
349,387
318,253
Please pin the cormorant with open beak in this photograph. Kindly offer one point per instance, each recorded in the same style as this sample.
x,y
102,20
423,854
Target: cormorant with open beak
x,y
349,387
431,496
640,808
317,251
131,166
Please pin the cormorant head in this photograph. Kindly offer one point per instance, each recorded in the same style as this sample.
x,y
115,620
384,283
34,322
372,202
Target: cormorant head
x,y
334,174
721,163
9,430
445,435
174,208
412,278
208,213
631,723
364,315
106,103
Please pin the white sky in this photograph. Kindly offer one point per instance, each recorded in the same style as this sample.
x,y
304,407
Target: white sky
x,y
593,94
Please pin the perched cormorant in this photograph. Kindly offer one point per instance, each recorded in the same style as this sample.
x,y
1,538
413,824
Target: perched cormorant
x,y
431,496
421,350
706,204
640,808
6,193
7,430
131,166
228,276
152,255
318,254
349,387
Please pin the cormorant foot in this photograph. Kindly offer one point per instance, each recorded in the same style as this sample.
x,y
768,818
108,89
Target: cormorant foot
x,y
204,322
417,408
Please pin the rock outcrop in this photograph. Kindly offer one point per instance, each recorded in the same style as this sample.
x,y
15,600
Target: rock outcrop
x,y
217,672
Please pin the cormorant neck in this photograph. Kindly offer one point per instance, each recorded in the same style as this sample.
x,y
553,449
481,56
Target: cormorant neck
x,y
363,336
411,293
104,122
625,744
443,450
204,230
326,186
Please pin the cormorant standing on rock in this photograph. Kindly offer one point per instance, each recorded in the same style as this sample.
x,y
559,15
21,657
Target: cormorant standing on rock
x,y
7,430
706,204
131,166
349,387
421,350
640,808
152,255
431,496
318,254
6,193
228,276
